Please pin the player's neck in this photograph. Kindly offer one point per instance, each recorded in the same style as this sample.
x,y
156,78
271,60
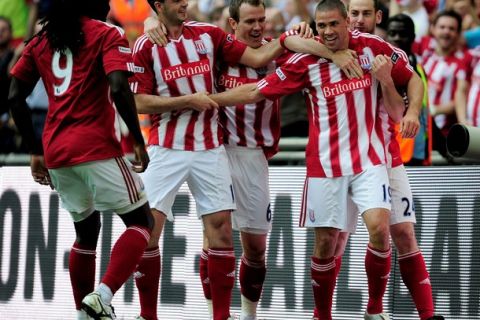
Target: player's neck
x,y
445,52
174,28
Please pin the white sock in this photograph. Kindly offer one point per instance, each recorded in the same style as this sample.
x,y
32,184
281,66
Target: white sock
x,y
104,291
82,315
210,307
249,308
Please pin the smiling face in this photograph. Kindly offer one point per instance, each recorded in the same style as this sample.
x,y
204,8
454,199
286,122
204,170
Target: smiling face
x,y
446,32
363,16
332,28
174,12
250,25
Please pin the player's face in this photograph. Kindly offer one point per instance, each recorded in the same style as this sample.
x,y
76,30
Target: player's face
x,y
363,16
445,32
174,11
332,28
397,35
249,29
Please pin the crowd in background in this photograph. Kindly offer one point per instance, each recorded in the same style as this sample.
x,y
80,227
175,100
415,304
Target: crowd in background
x,y
448,48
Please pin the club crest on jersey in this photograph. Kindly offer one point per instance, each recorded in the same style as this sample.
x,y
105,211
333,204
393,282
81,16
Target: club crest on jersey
x,y
365,62
394,57
200,46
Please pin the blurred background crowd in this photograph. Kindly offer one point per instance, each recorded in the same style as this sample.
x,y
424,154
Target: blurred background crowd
x,y
448,49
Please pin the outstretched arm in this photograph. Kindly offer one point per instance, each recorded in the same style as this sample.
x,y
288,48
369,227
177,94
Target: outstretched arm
x,y
247,93
151,104
346,60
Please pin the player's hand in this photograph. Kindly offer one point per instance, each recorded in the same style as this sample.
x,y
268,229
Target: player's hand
x,y
382,68
39,171
409,126
303,30
155,31
141,158
347,61
200,101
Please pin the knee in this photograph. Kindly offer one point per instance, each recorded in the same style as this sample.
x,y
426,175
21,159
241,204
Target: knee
x,y
254,251
219,233
380,236
87,230
403,235
325,241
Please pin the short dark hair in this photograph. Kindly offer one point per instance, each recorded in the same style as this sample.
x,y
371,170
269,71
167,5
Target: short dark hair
x,y
329,5
234,7
407,22
376,5
7,21
152,4
451,14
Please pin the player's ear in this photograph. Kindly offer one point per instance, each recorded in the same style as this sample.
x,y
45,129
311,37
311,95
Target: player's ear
x,y
378,16
233,24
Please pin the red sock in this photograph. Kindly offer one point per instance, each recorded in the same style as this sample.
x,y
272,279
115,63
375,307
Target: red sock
x,y
416,278
147,279
252,276
221,271
338,266
323,284
81,265
204,275
125,256
377,267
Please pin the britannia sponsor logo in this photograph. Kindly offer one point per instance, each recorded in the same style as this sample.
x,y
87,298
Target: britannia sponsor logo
x,y
186,70
341,87
230,82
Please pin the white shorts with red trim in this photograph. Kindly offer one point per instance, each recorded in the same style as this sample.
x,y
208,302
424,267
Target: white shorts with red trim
x,y
206,173
249,169
102,185
325,200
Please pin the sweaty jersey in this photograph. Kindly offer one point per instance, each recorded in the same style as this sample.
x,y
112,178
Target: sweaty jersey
x,y
184,66
82,123
343,137
254,125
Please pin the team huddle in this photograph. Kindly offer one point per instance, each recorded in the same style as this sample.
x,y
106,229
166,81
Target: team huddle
x,y
213,100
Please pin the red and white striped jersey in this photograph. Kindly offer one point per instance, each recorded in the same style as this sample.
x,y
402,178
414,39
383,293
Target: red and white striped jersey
x,y
387,126
473,104
184,66
82,124
343,136
442,73
255,125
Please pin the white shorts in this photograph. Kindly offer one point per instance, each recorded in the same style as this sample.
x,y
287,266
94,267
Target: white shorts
x,y
249,169
403,209
325,200
206,173
109,184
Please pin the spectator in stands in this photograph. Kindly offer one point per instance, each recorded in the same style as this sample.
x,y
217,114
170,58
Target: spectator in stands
x,y
23,15
417,151
416,11
473,102
130,15
7,131
465,8
447,69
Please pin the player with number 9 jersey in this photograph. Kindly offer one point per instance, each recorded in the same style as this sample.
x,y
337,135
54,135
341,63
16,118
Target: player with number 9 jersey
x,y
79,128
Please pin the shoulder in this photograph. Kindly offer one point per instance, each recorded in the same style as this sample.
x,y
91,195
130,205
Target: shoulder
x,y
201,26
142,43
102,28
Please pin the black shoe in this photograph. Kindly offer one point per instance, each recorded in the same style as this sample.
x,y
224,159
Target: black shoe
x,y
436,318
